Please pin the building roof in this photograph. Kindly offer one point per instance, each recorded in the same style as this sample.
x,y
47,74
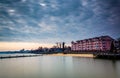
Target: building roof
x,y
100,37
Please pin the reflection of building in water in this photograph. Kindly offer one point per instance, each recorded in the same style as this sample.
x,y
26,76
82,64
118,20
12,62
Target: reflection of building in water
x,y
102,43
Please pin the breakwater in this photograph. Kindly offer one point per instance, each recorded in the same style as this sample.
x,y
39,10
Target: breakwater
x,y
18,56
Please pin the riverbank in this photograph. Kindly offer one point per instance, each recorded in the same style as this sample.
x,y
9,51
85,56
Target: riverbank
x,y
74,55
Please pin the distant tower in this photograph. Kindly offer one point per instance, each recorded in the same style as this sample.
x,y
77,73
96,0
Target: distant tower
x,y
60,45
57,44
63,46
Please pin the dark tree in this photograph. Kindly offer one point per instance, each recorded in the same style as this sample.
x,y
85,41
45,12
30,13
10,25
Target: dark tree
x,y
118,40
112,48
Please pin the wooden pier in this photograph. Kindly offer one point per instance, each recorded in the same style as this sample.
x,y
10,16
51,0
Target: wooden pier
x,y
18,56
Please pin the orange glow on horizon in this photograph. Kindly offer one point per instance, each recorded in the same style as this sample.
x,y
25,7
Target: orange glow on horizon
x,y
11,46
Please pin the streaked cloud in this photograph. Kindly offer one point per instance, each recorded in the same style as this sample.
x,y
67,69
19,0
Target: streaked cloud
x,y
46,27
58,20
43,4
23,0
11,10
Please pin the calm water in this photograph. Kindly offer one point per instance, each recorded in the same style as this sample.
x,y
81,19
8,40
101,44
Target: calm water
x,y
58,67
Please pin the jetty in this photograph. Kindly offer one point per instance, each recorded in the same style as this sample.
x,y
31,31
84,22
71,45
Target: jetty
x,y
18,56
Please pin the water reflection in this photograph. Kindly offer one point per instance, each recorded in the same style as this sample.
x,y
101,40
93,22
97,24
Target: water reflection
x,y
95,68
58,67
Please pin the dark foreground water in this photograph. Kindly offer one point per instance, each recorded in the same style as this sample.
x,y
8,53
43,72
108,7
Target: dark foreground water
x,y
58,67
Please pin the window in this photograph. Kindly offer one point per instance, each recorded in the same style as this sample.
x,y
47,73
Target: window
x,y
104,46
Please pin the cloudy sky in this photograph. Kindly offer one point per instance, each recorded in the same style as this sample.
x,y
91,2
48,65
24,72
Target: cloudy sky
x,y
50,21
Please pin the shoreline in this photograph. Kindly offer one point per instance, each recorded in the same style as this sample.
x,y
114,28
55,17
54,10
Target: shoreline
x,y
73,55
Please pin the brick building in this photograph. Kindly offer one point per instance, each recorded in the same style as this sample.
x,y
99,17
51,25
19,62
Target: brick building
x,y
102,43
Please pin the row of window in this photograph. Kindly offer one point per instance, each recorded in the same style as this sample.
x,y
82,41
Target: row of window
x,y
89,47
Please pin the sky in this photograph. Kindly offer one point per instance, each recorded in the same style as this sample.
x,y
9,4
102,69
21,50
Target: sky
x,y
45,22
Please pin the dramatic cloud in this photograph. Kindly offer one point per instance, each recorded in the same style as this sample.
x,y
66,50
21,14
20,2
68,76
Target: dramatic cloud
x,y
58,20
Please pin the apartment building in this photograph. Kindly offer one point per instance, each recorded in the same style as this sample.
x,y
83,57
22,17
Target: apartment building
x,y
102,43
